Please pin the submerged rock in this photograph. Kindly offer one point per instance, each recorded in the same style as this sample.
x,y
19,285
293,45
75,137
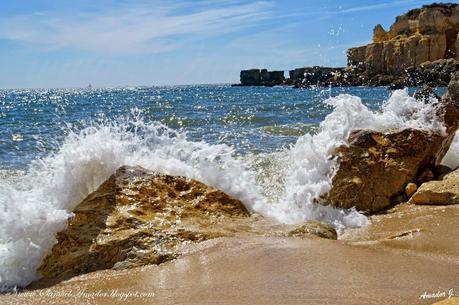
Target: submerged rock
x,y
375,168
314,227
138,217
441,192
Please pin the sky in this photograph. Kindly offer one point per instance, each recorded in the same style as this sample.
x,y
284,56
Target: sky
x,y
107,43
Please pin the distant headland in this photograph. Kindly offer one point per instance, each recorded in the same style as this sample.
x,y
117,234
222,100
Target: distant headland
x,y
420,48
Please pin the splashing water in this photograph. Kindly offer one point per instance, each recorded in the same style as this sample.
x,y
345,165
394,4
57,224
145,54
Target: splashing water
x,y
283,185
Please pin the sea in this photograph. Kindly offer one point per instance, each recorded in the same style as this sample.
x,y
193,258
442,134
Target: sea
x,y
272,148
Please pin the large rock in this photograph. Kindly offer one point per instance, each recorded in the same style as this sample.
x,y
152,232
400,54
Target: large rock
x,y
138,217
441,192
375,168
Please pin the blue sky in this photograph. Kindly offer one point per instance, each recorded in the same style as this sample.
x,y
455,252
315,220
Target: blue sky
x,y
70,43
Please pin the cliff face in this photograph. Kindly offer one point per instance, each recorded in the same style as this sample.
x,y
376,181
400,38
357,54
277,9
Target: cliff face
x,y
421,35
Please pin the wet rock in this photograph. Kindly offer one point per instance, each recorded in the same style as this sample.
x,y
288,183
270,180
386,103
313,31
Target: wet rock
x,y
441,192
139,217
410,189
453,89
375,167
312,76
381,176
314,227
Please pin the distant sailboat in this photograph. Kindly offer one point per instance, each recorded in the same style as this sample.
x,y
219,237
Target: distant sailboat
x,y
89,86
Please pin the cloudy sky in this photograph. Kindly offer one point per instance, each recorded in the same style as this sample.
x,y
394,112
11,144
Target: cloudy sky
x,y
69,43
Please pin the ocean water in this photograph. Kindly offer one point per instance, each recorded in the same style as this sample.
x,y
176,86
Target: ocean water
x,y
269,147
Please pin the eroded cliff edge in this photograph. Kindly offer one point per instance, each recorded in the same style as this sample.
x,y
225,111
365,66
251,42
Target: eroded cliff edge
x,y
421,47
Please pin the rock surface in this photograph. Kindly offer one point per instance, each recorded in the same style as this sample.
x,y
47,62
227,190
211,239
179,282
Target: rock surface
x,y
311,76
421,47
314,227
441,192
421,35
138,217
263,77
375,168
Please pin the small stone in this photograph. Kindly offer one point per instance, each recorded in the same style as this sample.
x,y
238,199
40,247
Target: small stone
x,y
442,192
410,189
314,227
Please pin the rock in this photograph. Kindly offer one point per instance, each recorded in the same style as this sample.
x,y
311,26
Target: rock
x,y
251,77
375,167
414,51
442,192
410,189
314,227
426,176
138,217
440,171
453,89
312,76
256,77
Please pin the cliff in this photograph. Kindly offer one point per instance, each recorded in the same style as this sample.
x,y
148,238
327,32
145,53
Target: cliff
x,y
415,40
420,48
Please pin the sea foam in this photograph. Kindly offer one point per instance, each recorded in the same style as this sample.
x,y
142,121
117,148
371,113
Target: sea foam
x,y
35,205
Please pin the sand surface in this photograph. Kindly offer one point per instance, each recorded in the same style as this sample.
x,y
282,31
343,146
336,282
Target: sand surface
x,y
404,254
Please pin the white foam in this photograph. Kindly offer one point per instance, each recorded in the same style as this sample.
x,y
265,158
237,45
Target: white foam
x,y
311,165
38,203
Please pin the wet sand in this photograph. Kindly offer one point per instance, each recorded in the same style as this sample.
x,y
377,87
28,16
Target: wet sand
x,y
403,254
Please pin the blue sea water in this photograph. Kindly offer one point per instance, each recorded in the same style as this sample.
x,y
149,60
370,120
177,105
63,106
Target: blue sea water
x,y
34,122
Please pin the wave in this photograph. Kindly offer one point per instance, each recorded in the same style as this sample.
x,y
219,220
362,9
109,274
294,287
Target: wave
x,y
290,130
35,205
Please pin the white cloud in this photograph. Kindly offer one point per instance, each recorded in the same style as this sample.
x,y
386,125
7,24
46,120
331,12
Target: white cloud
x,y
142,29
377,6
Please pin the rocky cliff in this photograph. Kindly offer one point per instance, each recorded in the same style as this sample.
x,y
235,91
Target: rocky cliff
x,y
416,39
420,48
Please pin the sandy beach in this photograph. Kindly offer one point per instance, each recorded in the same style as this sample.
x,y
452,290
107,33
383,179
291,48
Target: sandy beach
x,y
395,260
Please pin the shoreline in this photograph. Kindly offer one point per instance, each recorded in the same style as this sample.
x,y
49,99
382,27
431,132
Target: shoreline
x,y
387,262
